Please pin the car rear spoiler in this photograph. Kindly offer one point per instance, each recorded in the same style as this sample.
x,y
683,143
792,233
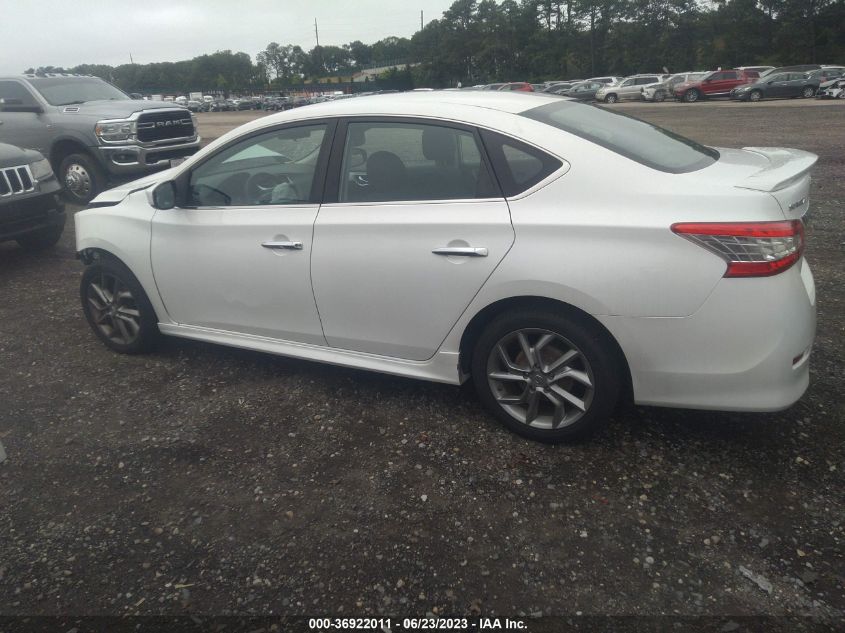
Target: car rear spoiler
x,y
786,167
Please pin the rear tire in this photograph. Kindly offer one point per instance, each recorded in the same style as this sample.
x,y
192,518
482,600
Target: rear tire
x,y
82,178
569,390
117,308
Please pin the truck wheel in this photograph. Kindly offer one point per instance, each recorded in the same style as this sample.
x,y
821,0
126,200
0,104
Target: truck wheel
x,y
82,178
41,239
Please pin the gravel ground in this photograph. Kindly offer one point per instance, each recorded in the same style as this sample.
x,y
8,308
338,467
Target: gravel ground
x,y
201,479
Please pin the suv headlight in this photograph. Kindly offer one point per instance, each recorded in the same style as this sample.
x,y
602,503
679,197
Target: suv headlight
x,y
115,131
41,169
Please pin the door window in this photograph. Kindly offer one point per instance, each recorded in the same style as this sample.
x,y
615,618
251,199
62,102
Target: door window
x,y
393,161
273,168
15,94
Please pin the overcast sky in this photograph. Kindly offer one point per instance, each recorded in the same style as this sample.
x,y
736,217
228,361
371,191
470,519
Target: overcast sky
x,y
66,33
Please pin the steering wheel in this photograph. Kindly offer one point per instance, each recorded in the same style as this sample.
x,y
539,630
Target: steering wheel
x,y
260,187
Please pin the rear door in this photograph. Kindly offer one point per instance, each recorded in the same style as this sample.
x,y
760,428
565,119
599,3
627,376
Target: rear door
x,y
413,226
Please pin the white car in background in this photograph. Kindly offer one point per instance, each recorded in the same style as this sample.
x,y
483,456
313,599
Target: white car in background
x,y
556,254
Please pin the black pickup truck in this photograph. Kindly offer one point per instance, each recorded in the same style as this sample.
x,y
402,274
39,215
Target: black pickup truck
x,y
31,209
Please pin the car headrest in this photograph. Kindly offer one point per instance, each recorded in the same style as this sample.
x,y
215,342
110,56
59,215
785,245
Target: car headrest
x,y
356,136
438,144
385,171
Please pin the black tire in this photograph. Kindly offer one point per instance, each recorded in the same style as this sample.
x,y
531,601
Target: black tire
x,y
808,91
692,95
595,349
41,239
82,178
755,95
100,273
611,98
660,96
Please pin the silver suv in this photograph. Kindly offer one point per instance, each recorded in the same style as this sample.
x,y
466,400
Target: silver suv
x,y
628,88
92,132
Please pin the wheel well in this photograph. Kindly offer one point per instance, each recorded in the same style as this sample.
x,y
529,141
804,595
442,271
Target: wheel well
x,y
64,148
90,255
476,326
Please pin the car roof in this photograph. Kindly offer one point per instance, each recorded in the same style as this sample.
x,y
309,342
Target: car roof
x,y
451,105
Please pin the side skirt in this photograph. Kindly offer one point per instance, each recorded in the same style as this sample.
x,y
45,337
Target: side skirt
x,y
442,367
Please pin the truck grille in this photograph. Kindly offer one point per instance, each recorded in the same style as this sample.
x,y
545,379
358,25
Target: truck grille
x,y
165,125
15,180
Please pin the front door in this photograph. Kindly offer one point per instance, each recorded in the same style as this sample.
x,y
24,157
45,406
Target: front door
x,y
236,256
416,228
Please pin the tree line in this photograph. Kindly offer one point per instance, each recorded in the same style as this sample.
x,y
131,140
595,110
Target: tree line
x,y
527,40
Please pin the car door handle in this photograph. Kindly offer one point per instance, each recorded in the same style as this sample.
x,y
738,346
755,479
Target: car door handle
x,y
293,246
461,251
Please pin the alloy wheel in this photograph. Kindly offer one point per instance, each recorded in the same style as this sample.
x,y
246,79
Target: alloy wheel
x,y
540,378
754,96
113,309
808,92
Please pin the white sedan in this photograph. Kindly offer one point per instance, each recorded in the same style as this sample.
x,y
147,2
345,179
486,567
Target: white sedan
x,y
556,254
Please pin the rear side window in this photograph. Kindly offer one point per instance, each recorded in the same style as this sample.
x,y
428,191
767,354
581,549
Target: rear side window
x,y
632,138
518,166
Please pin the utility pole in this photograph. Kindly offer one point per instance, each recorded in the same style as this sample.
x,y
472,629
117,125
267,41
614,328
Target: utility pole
x,y
316,32
421,20
131,61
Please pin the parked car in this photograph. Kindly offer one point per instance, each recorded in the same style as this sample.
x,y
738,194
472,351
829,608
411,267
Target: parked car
x,y
558,88
827,73
717,83
517,86
584,91
780,85
757,69
660,92
611,79
834,89
492,86
248,104
674,312
91,132
800,68
195,106
628,88
31,209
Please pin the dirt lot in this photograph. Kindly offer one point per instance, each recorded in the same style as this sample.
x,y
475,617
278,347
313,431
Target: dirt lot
x,y
201,479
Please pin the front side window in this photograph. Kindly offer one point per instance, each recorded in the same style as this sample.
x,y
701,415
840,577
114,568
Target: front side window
x,y
13,93
393,161
627,82
273,168
635,139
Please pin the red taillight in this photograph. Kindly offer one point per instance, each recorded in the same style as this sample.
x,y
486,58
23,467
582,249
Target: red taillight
x,y
751,249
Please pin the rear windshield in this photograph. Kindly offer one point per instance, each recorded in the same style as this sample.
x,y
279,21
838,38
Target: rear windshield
x,y
632,138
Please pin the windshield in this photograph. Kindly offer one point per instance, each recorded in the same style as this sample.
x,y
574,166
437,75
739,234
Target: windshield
x,y
632,138
60,91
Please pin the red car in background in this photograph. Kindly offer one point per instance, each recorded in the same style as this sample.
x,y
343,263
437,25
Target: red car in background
x,y
717,83
518,86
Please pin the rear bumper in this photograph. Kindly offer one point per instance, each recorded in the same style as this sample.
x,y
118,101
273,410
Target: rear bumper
x,y
30,214
746,349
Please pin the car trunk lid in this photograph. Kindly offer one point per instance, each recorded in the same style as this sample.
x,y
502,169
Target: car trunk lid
x,y
786,177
